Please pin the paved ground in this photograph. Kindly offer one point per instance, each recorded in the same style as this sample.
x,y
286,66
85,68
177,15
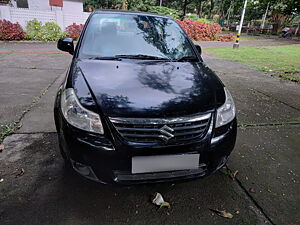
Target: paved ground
x,y
27,72
266,190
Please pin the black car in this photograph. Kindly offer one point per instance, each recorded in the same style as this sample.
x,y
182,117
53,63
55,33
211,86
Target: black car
x,y
139,105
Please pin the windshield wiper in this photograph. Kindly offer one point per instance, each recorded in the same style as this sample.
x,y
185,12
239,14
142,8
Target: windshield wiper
x,y
187,58
140,56
104,58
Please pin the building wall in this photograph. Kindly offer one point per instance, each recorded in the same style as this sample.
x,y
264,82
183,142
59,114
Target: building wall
x,y
69,5
73,6
63,18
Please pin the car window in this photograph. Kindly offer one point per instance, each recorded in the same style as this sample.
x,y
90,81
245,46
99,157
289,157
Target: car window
x,y
108,35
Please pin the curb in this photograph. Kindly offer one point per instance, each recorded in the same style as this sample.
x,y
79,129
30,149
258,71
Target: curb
x,y
27,42
30,42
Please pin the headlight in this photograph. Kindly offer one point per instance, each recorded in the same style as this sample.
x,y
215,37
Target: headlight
x,y
226,112
78,116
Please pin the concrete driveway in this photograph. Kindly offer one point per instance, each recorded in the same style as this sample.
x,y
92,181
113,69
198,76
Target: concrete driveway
x,y
37,189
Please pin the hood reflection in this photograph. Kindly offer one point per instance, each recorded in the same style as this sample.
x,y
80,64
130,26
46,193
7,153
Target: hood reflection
x,y
150,88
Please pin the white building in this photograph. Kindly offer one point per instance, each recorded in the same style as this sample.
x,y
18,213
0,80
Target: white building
x,y
63,12
75,6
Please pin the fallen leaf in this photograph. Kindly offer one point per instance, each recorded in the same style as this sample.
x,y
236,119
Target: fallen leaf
x,y
230,173
237,212
252,190
165,204
158,200
222,213
233,175
226,214
20,173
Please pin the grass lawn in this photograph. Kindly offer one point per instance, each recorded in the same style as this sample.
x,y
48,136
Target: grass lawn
x,y
283,61
250,38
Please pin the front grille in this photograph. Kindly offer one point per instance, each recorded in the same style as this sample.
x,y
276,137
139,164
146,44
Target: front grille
x,y
165,131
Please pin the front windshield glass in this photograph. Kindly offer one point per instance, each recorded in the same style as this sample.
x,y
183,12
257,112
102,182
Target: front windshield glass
x,y
110,35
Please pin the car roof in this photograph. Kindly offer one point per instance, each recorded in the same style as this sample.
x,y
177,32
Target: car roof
x,y
99,11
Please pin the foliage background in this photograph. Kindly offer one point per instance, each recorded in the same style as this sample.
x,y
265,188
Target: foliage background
x,y
280,12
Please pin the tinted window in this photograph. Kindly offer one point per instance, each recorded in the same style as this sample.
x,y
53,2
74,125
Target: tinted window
x,y
110,34
22,3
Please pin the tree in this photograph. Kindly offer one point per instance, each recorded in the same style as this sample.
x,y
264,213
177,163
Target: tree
x,y
283,12
138,5
280,11
185,4
199,7
97,4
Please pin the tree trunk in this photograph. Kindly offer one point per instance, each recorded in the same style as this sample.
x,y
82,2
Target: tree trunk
x,y
275,27
199,8
124,4
297,29
184,8
229,10
222,10
211,8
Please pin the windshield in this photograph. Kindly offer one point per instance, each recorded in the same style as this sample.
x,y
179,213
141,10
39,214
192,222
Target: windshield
x,y
112,35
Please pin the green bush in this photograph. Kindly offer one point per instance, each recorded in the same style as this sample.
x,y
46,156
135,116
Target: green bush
x,y
33,29
165,11
51,32
193,17
48,32
203,20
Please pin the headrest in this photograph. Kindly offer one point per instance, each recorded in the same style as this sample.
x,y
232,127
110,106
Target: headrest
x,y
109,28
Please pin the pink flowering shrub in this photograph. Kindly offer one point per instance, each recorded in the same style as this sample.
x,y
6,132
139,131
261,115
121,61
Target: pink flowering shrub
x,y
74,30
11,31
226,37
199,31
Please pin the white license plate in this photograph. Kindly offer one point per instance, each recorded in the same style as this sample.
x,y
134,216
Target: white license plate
x,y
160,163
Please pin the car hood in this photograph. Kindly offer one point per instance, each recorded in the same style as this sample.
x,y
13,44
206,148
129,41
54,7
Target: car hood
x,y
140,88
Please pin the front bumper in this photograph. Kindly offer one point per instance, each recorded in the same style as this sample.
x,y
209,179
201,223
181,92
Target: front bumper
x,y
99,158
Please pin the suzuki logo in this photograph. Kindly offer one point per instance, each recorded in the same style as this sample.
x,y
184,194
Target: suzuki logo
x,y
166,133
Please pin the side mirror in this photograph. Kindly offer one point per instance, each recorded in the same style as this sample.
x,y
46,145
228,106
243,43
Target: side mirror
x,y
66,45
198,49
